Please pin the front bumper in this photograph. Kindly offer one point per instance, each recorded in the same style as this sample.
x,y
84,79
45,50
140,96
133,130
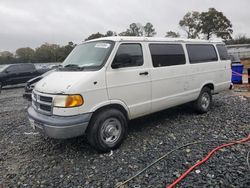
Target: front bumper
x,y
59,126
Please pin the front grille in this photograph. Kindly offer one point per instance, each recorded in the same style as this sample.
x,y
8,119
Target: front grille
x,y
42,103
45,107
46,99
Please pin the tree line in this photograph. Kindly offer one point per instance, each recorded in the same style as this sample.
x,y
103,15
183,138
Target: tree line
x,y
43,54
135,29
201,25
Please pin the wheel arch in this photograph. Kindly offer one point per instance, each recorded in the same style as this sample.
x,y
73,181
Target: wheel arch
x,y
209,85
116,104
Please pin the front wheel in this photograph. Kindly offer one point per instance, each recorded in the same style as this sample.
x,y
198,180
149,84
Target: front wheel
x,y
203,103
107,130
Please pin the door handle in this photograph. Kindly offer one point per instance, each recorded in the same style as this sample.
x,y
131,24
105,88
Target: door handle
x,y
143,73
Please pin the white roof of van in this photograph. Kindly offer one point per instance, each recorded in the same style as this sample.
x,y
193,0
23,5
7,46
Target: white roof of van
x,y
156,39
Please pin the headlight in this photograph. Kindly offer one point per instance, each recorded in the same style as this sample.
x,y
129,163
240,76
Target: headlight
x,y
68,101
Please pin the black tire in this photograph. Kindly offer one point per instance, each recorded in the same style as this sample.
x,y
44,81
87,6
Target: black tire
x,y
107,124
204,101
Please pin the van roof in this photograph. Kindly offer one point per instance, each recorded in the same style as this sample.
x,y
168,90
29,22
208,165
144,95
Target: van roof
x,y
155,39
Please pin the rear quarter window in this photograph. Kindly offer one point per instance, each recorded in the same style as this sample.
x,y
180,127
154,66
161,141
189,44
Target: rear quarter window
x,y
222,52
201,53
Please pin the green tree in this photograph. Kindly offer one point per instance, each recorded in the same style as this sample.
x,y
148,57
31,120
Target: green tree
x,y
64,51
134,30
149,30
94,36
126,33
215,23
172,34
110,33
43,54
190,23
6,54
47,53
7,57
25,55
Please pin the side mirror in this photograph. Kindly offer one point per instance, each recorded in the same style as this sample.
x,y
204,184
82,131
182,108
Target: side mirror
x,y
6,71
121,60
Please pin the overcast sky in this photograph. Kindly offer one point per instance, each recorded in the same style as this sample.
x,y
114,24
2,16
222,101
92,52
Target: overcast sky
x,y
31,23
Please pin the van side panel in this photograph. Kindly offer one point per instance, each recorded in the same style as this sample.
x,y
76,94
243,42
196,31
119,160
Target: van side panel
x,y
174,85
169,86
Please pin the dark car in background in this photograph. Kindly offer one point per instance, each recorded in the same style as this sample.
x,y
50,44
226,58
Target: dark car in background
x,y
18,73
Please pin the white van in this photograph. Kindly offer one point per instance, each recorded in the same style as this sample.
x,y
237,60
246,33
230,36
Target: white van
x,y
106,82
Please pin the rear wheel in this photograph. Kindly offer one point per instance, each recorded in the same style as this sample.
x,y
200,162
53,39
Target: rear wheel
x,y
203,103
107,130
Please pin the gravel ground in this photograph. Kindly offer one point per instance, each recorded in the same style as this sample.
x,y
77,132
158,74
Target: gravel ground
x,y
27,159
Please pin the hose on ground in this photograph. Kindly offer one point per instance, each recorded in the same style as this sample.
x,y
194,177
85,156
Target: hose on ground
x,y
164,156
206,158
183,146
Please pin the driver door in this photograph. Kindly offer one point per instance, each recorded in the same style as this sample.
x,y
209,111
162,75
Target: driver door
x,y
130,82
12,75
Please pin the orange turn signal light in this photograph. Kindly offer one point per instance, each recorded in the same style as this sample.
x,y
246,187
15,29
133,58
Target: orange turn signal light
x,y
73,101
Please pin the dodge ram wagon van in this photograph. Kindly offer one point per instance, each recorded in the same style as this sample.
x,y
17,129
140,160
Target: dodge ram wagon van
x,y
106,82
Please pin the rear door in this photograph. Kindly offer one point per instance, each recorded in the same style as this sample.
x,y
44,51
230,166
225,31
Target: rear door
x,y
131,82
28,71
169,75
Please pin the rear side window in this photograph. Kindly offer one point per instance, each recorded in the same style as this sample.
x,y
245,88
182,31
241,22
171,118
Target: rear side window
x,y
201,53
131,51
222,52
26,68
167,54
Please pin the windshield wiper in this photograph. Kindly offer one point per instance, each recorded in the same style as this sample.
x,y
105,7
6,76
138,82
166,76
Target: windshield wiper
x,y
73,67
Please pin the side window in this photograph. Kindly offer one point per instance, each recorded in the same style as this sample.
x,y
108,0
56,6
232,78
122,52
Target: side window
x,y
22,68
26,68
201,53
167,54
13,69
128,55
222,52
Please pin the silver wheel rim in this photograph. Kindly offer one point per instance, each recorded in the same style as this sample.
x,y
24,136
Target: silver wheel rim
x,y
111,131
205,100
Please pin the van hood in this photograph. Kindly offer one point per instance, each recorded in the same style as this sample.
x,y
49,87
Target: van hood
x,y
63,82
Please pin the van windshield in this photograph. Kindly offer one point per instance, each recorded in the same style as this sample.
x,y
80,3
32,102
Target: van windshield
x,y
89,55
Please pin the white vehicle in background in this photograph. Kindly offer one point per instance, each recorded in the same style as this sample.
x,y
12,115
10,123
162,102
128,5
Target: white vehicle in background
x,y
106,82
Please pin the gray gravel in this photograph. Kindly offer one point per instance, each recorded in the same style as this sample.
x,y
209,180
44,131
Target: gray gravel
x,y
28,159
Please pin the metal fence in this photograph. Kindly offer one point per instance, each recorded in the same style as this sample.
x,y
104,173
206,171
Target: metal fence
x,y
240,50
